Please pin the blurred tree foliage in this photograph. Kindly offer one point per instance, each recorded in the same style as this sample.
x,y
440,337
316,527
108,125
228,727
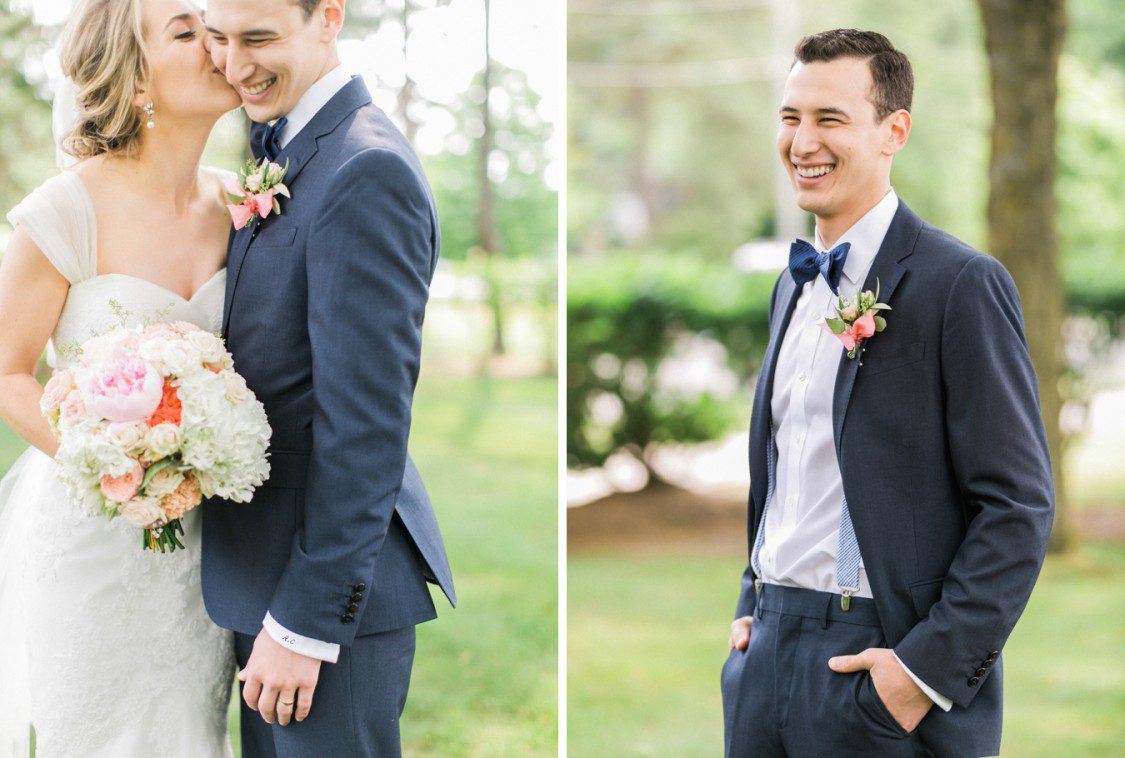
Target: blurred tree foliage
x,y
700,158
26,158
526,206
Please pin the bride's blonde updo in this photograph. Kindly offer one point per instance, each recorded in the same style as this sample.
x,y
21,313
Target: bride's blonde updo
x,y
103,52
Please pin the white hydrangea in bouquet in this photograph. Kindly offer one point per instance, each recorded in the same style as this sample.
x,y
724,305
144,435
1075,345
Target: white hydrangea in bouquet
x,y
150,420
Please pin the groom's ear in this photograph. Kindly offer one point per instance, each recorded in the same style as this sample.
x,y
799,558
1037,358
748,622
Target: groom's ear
x,y
899,131
331,19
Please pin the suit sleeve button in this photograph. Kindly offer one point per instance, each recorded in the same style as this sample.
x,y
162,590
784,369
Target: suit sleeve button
x,y
347,618
987,663
356,597
994,655
974,681
980,672
359,587
352,608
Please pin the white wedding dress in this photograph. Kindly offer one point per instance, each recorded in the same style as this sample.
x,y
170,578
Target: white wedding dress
x,y
105,649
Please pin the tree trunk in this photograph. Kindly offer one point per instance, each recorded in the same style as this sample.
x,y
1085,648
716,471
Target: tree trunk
x,y
1023,39
486,220
406,94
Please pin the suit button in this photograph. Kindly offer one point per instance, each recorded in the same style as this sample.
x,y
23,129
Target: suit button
x,y
347,618
359,587
974,681
980,672
352,608
987,663
994,655
356,597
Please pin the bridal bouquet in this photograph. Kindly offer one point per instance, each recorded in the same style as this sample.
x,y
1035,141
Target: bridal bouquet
x,y
151,420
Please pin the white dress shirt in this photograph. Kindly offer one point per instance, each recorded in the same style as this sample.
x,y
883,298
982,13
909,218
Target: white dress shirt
x,y
315,98
803,521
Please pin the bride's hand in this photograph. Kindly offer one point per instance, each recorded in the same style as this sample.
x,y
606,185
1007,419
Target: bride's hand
x,y
740,633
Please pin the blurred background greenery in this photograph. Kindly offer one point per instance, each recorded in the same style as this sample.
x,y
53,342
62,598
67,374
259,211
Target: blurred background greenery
x,y
677,228
473,83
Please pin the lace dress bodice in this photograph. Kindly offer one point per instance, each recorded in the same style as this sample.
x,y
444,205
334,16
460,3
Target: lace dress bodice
x,y
122,659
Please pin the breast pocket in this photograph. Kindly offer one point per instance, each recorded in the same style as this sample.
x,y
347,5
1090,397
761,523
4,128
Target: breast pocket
x,y
880,361
275,235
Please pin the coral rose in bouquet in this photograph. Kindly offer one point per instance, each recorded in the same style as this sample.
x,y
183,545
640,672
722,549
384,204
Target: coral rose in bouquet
x,y
151,420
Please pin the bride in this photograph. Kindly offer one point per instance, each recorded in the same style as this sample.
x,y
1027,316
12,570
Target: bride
x,y
106,650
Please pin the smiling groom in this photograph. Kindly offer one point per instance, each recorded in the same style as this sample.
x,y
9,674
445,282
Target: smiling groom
x,y
900,499
323,575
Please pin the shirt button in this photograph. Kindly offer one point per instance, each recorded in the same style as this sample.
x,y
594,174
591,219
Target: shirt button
x,y
798,438
802,377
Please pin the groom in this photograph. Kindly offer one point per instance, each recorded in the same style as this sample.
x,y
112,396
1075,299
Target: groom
x,y
901,499
323,576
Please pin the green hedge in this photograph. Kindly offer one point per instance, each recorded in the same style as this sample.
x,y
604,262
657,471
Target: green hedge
x,y
625,311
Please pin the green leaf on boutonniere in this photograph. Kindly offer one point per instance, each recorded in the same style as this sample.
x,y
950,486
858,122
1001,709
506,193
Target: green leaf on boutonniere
x,y
852,352
876,289
281,189
836,325
234,198
879,307
276,207
880,323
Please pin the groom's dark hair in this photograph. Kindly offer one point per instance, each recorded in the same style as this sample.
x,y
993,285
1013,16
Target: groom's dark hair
x,y
891,74
307,6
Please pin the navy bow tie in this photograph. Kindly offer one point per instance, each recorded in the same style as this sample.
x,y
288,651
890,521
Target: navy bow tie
x,y
263,139
805,262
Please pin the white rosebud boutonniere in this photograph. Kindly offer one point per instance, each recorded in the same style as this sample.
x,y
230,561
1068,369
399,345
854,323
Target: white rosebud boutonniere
x,y
857,318
254,193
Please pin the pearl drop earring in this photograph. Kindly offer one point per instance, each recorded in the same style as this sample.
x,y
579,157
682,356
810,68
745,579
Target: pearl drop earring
x,y
150,109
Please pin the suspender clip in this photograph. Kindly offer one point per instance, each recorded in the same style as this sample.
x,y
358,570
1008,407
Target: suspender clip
x,y
846,600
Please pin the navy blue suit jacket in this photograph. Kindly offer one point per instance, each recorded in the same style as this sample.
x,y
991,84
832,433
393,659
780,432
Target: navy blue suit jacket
x,y
945,467
323,315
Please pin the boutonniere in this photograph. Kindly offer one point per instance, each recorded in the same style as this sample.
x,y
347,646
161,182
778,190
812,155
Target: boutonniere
x,y
857,318
254,193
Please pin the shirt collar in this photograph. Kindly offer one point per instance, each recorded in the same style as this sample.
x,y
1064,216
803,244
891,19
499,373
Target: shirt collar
x,y
315,98
866,237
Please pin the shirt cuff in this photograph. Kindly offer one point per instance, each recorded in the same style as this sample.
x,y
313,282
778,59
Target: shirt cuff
x,y
328,652
941,701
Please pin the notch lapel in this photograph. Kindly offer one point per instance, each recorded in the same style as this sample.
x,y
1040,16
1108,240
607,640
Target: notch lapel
x,y
787,294
298,152
887,268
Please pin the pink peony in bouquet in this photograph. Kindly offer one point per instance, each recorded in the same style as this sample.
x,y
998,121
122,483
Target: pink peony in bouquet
x,y
151,420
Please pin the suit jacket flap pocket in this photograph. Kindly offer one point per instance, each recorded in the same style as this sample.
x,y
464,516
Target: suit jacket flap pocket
x,y
925,594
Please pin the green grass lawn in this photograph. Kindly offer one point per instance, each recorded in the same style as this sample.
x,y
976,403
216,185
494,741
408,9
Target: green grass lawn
x,y
647,638
485,675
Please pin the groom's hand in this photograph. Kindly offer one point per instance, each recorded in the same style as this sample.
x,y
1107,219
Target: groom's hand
x,y
740,633
278,683
905,700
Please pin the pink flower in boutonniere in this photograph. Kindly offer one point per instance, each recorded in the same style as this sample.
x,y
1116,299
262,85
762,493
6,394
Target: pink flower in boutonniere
x,y
253,195
857,318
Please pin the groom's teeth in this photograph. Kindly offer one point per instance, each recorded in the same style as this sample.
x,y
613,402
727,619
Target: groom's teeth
x,y
259,88
814,171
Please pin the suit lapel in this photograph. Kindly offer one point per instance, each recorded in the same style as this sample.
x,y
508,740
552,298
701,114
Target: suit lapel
x,y
298,152
887,268
787,294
